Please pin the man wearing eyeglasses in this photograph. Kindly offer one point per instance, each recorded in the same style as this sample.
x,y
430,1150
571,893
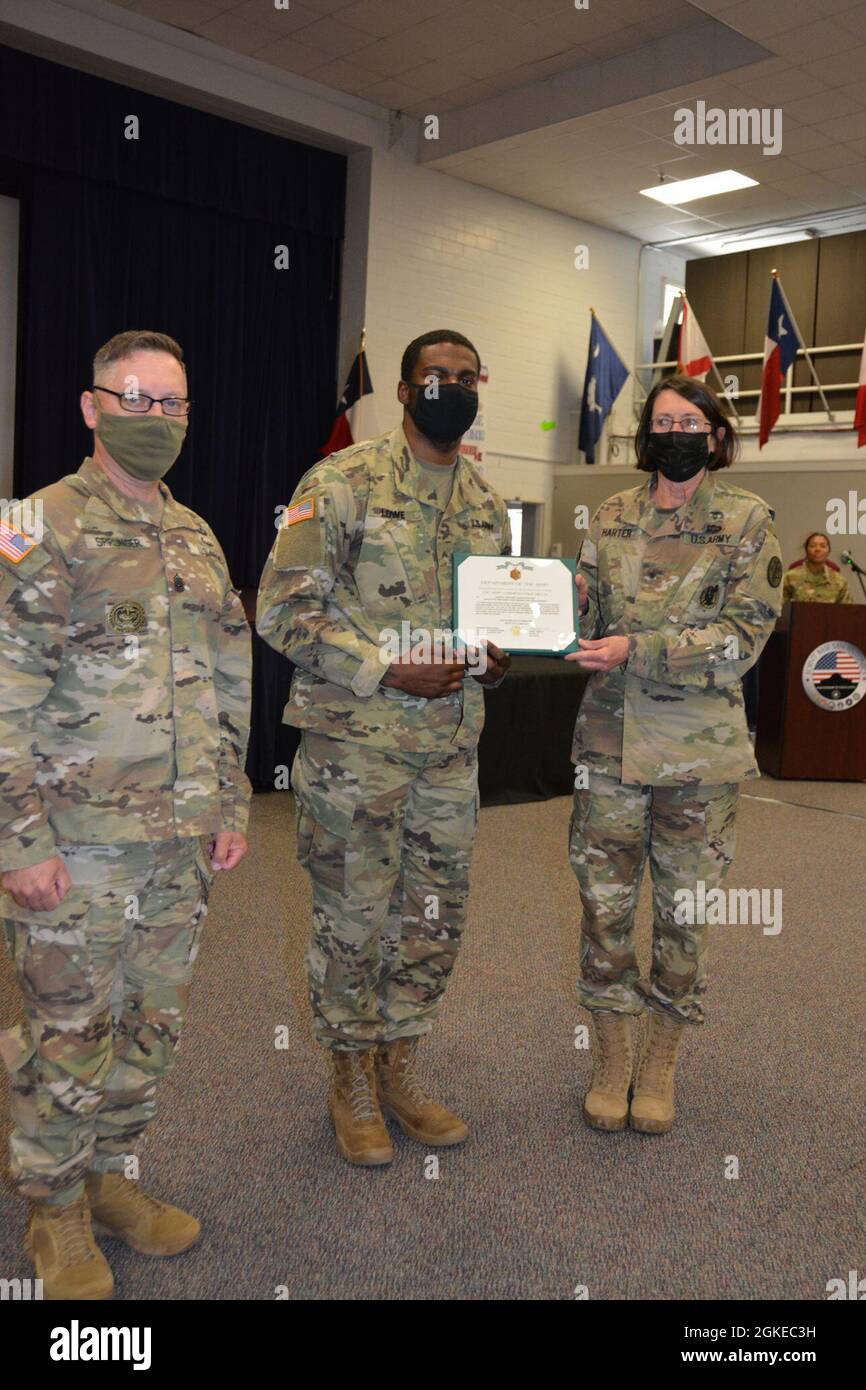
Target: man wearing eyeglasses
x,y
124,717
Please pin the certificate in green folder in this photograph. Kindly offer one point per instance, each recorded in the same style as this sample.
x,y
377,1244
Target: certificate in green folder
x,y
522,603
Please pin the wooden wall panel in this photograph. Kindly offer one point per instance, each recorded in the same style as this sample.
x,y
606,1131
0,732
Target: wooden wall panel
x,y
825,282
841,311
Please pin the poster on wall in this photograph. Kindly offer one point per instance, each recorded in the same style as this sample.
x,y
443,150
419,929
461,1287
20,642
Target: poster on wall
x,y
473,439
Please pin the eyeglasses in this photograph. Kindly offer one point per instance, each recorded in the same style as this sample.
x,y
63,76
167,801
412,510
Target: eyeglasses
x,y
691,424
139,404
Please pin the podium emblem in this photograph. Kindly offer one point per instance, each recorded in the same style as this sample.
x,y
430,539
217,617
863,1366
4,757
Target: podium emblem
x,y
834,676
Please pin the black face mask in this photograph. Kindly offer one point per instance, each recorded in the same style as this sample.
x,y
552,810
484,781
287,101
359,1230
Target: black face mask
x,y
676,455
445,417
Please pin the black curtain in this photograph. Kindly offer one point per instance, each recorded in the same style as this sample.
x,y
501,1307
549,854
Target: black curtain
x,y
176,231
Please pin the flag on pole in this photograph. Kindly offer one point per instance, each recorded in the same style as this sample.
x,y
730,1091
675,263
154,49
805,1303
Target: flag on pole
x,y
356,411
780,350
860,406
606,374
694,357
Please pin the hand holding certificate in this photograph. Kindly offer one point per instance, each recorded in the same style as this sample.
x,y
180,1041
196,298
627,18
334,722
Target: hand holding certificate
x,y
524,604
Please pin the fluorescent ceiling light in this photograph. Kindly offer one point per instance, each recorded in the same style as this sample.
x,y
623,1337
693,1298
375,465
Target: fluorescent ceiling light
x,y
680,191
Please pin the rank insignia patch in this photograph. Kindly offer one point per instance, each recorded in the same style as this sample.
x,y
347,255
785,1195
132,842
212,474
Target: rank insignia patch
x,y
128,616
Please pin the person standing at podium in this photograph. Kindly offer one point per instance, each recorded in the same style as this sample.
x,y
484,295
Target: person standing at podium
x,y
815,580
680,587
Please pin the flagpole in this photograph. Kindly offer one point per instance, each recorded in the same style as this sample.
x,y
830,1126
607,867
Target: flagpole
x,y
616,349
361,363
830,416
666,340
725,395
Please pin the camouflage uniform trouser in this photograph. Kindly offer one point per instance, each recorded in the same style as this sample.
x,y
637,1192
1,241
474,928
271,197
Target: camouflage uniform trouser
x,y
387,839
688,832
105,981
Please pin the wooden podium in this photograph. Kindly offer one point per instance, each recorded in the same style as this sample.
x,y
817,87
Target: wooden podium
x,y
797,737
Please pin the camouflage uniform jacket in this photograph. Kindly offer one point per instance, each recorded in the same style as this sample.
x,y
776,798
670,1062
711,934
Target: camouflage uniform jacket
x,y
353,561
698,592
802,586
124,677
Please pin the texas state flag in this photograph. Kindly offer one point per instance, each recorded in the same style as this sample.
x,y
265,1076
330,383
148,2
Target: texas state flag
x,y
780,349
356,413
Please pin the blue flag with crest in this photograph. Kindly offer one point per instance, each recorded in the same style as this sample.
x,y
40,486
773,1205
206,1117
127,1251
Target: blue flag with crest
x,y
605,377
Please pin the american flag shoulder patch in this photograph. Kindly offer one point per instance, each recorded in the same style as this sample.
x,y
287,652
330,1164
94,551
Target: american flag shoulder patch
x,y
302,511
15,544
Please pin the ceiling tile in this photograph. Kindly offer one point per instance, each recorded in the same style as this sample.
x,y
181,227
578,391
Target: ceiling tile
x,y
331,38
842,68
854,20
183,14
853,127
830,106
381,18
820,39
855,179
235,33
293,56
343,76
761,19
280,22
831,157
781,88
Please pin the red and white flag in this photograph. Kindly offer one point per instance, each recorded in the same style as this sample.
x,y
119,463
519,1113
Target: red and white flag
x,y
860,406
694,357
356,412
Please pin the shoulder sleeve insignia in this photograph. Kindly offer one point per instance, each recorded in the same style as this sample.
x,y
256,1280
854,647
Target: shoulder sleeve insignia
x,y
302,511
774,572
15,544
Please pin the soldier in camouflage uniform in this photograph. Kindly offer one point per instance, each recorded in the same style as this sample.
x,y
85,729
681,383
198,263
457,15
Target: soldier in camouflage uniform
x,y
124,715
815,581
386,775
680,586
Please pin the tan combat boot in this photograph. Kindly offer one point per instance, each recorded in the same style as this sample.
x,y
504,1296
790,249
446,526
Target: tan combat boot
x,y
605,1105
65,1255
151,1227
652,1105
354,1106
404,1098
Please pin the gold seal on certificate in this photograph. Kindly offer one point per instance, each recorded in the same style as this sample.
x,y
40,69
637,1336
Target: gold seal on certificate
x,y
521,603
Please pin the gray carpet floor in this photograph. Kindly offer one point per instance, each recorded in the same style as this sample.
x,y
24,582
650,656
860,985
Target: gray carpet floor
x,y
535,1203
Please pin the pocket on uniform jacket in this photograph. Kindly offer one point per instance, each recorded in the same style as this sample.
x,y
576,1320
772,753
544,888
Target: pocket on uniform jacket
x,y
16,1047
202,862
306,828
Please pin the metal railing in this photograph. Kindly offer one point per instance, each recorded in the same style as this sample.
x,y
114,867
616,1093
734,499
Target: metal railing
x,y
790,389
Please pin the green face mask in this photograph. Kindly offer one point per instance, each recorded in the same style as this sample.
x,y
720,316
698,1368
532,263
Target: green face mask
x,y
145,446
